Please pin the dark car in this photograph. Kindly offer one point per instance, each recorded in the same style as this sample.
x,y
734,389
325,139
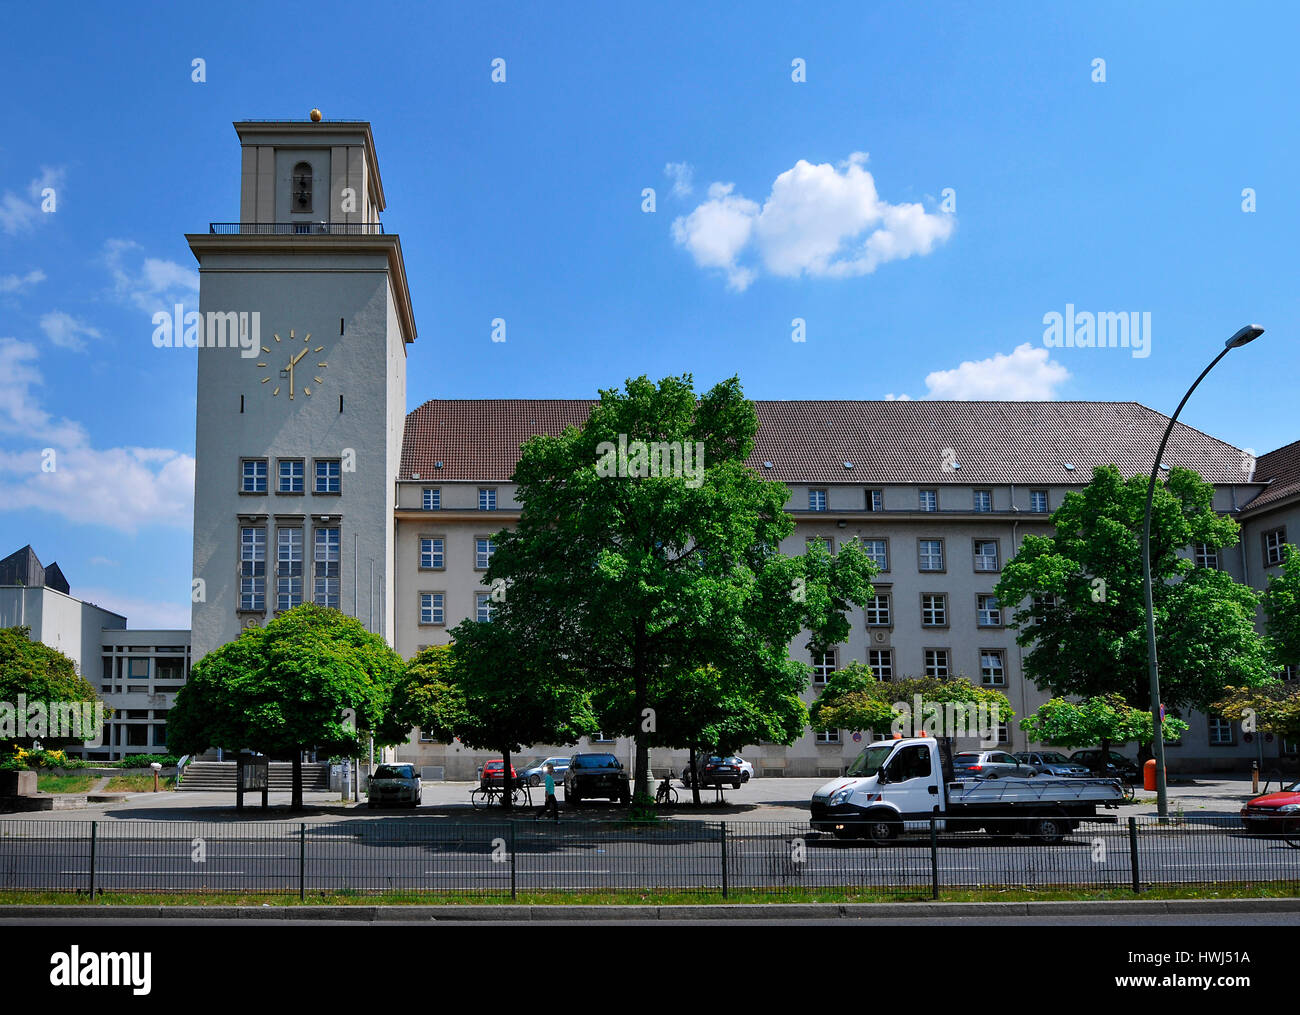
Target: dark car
x,y
1052,763
1116,766
596,775
1274,813
718,770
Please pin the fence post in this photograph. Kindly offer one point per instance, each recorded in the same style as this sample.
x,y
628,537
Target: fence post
x,y
302,861
934,858
514,895
1133,852
722,828
94,834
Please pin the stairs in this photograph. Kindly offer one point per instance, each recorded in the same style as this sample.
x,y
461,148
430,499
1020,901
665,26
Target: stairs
x,y
219,777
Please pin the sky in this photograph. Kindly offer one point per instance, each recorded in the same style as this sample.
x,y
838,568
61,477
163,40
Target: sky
x,y
838,200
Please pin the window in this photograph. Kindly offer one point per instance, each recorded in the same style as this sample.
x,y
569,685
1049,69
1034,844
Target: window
x,y
993,670
137,669
983,500
252,569
483,550
291,470
910,763
325,575
1273,546
1206,555
1003,733
1038,501
1289,672
987,611
877,610
931,554
816,500
881,661
288,574
828,736
483,606
823,665
1220,731
875,500
1045,601
302,188
936,663
934,610
986,555
1290,747
432,499
487,500
929,500
431,553
824,540
877,550
431,610
329,477
253,476
160,734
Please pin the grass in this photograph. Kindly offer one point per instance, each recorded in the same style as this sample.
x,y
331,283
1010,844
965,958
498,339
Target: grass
x,y
138,784
652,898
64,783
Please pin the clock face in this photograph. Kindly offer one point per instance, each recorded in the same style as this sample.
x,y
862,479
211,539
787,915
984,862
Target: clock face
x,y
291,366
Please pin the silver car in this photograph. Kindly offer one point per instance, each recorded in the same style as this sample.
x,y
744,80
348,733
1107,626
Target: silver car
x,y
394,784
1053,763
990,765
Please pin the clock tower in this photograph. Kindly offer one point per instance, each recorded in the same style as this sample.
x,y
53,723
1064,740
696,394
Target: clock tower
x,y
303,325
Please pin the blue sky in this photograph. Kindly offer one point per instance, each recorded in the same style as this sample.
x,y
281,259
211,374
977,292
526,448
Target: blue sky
x,y
821,199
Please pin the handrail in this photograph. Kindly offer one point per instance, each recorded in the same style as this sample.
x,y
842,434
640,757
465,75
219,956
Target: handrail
x,y
180,768
296,228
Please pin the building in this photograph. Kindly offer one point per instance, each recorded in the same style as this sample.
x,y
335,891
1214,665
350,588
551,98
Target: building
x,y
312,483
136,672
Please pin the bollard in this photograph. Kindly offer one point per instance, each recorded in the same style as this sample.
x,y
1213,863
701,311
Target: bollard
x,y
1254,778
94,830
1133,853
722,828
934,857
1149,774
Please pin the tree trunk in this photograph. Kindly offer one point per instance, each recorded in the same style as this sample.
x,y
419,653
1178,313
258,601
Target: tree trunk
x,y
296,800
695,781
507,786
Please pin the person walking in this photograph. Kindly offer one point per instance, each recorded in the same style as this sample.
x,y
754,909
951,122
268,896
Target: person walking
x,y
551,807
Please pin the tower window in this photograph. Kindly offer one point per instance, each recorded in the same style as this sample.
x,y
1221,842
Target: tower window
x,y
302,186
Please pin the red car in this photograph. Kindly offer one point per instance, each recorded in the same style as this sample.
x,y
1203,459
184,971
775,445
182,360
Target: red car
x,y
491,773
1274,813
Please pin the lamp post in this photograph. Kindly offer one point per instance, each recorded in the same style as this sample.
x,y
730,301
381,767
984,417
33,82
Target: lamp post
x,y
1242,337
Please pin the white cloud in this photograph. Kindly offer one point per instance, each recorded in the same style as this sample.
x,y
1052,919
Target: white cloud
x,y
103,562
819,220
66,331
149,282
682,174
125,488
17,283
1027,374
141,614
18,213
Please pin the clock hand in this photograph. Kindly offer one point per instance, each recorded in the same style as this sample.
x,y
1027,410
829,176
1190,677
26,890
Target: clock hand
x,y
298,357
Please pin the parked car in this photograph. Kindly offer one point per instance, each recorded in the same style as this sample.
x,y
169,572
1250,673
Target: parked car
x,y
719,770
1052,763
990,765
746,769
1274,813
394,784
1116,766
535,773
490,773
596,775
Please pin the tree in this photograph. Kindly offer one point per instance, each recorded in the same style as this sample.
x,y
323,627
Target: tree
x,y
44,675
1106,719
647,548
312,677
1077,599
1273,708
1282,609
854,700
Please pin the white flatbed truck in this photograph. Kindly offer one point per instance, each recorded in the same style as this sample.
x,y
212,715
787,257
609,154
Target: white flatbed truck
x,y
897,786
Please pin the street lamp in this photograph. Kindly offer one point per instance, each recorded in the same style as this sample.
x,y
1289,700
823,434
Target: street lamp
x,y
1242,337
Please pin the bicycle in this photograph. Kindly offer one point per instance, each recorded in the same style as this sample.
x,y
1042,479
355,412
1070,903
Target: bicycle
x,y
665,794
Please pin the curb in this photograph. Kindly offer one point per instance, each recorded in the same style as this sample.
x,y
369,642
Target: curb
x,y
781,912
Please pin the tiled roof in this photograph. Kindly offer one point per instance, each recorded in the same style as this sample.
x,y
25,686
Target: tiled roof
x,y
1280,469
887,441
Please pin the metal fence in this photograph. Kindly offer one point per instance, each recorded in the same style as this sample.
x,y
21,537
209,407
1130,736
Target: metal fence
x,y
510,859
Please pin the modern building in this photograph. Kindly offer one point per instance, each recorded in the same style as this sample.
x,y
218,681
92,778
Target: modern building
x,y
312,483
136,672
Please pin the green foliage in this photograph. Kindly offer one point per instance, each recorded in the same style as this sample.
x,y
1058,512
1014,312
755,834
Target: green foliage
x,y
1273,708
40,673
1093,640
854,700
1105,719
312,677
1282,607
665,592
22,758
145,760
